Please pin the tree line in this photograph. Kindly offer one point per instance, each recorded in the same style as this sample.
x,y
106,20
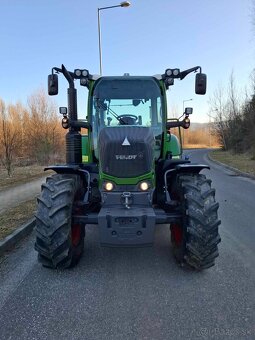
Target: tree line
x,y
30,134
233,113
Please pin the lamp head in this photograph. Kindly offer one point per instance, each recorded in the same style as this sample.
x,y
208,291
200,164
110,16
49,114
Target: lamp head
x,y
125,4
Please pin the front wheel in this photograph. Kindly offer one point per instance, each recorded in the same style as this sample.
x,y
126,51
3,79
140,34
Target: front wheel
x,y
59,241
195,239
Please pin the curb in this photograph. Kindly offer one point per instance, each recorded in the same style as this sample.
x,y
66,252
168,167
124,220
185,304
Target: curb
x,y
9,241
244,174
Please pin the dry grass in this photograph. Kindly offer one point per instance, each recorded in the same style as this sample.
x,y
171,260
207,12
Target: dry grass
x,y
195,146
242,162
13,218
20,175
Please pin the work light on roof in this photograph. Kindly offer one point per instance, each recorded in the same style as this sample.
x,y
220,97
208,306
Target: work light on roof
x,y
170,81
176,71
85,73
169,72
172,72
77,72
84,82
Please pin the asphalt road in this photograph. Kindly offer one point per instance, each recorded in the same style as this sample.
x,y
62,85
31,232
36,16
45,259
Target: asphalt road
x,y
140,293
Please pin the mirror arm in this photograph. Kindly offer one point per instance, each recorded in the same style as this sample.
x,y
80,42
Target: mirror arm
x,y
183,74
58,70
67,74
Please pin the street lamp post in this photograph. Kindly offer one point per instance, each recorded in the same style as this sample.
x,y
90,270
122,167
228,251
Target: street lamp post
x,y
122,4
184,101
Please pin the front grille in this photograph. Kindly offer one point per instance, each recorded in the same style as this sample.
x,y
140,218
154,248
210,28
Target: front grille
x,y
126,151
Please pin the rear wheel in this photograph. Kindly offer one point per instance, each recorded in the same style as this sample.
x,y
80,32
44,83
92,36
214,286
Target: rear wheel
x,y
59,241
195,239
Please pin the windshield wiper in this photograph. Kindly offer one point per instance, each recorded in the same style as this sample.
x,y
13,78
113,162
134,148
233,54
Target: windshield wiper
x,y
109,110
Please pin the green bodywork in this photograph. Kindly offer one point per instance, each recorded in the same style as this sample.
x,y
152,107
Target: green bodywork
x,y
171,144
86,150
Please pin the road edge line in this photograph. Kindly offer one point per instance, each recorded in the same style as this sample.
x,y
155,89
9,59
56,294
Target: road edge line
x,y
11,240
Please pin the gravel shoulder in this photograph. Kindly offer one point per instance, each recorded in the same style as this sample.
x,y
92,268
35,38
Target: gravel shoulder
x,y
21,175
12,197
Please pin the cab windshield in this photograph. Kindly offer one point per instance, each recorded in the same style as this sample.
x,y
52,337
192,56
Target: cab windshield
x,y
126,101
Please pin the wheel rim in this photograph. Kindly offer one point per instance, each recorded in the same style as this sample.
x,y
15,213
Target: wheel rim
x,y
76,234
177,234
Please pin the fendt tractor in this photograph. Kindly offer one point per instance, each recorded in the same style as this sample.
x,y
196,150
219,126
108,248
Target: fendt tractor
x,y
126,173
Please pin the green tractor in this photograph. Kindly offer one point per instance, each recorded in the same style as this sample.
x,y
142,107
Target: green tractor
x,y
126,174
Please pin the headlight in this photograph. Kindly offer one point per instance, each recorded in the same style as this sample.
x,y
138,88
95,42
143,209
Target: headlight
x,y
186,123
65,122
144,186
108,186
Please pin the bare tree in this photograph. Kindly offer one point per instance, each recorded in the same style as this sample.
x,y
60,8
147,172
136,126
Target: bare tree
x,y
8,137
218,105
43,128
233,97
234,133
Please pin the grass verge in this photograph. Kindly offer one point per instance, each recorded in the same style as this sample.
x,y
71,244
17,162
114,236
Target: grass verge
x,y
242,162
21,175
14,217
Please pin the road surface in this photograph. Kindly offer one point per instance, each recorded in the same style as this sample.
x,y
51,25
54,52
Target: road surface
x,y
140,293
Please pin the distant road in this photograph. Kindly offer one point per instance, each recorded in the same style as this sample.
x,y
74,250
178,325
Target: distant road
x,y
12,197
140,293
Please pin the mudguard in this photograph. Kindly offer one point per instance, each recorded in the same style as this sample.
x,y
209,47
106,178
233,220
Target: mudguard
x,y
73,169
189,167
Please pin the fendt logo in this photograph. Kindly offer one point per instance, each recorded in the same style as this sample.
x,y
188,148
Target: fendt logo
x,y
126,142
125,157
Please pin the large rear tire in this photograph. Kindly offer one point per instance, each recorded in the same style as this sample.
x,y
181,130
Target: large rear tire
x,y
195,239
59,242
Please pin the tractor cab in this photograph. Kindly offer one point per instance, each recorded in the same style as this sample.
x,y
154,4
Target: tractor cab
x,y
127,104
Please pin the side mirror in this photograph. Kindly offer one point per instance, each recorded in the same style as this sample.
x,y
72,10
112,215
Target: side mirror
x,y
200,87
52,84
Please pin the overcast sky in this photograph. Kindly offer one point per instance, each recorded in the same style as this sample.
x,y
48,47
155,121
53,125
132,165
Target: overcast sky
x,y
143,39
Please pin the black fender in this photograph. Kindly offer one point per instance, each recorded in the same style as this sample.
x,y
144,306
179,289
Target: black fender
x,y
64,169
191,168
167,173
74,170
71,169
188,167
179,165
